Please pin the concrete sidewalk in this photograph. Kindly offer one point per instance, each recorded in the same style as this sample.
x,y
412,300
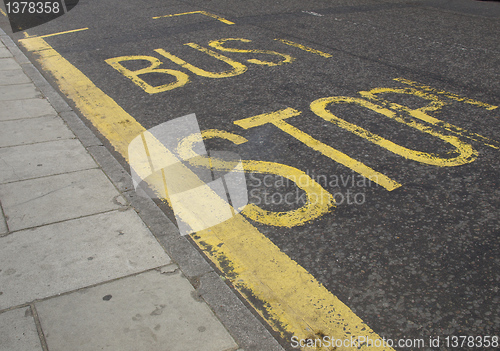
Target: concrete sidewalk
x,y
79,268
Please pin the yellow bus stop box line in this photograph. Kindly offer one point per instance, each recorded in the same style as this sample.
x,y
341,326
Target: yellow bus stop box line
x,y
290,299
205,13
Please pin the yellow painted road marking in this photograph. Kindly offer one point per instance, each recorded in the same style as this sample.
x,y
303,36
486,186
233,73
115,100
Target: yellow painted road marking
x,y
181,78
108,117
147,156
237,68
205,13
318,201
421,113
3,13
305,48
290,299
196,205
447,94
277,118
65,32
466,153
54,34
219,44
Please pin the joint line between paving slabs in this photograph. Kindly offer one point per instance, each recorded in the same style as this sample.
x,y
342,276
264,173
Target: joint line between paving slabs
x,y
41,336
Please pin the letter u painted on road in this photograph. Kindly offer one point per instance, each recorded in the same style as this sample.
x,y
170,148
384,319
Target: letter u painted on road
x,y
237,68
219,44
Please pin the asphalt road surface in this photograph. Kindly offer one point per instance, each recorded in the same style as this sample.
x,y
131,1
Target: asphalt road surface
x,y
389,106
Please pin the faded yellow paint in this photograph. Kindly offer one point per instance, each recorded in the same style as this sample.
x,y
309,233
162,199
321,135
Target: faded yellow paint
x,y
318,201
447,94
181,78
285,294
195,204
238,68
466,153
205,13
219,45
65,32
288,297
305,48
215,133
277,118
434,105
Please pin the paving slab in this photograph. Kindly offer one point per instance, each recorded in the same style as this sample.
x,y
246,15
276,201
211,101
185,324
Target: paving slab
x,y
235,315
4,52
150,311
18,331
49,260
12,47
28,108
16,76
43,159
33,130
22,91
34,202
8,64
